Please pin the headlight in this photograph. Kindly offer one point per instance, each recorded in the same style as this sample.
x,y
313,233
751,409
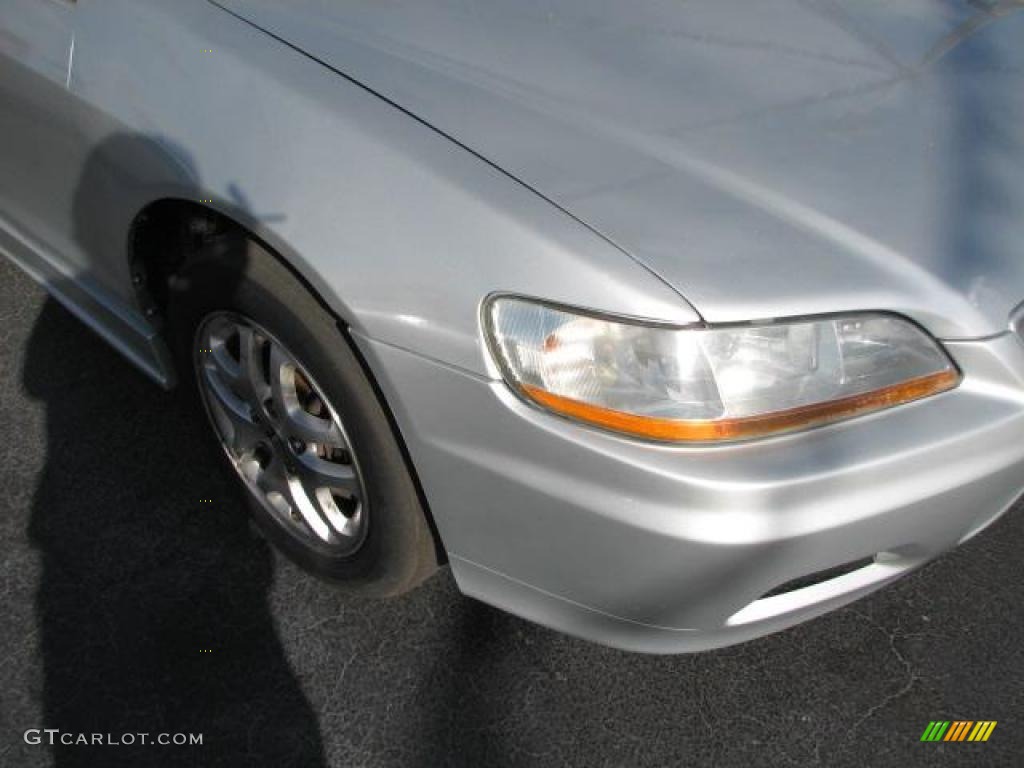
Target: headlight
x,y
700,384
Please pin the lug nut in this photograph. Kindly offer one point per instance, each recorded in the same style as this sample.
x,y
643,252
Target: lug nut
x,y
297,445
262,454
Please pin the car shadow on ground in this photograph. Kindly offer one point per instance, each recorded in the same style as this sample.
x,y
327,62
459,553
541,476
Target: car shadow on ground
x,y
152,603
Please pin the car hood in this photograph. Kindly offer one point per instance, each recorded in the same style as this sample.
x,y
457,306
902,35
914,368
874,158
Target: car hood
x,y
765,159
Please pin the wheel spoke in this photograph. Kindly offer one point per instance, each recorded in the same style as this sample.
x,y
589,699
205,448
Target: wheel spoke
x,y
323,483
316,473
292,418
281,389
225,365
270,477
216,341
303,503
232,414
251,379
313,429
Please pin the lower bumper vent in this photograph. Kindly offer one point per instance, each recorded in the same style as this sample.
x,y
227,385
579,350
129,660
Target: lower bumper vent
x,y
819,576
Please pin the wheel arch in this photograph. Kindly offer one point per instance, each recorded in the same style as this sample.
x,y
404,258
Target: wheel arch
x,y
160,239
164,231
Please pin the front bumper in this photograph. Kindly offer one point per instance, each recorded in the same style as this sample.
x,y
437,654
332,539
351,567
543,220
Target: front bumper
x,y
667,548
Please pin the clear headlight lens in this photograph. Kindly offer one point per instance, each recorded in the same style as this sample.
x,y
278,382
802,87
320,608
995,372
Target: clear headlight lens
x,y
711,384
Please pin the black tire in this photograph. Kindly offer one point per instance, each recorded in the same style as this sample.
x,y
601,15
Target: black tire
x,y
234,273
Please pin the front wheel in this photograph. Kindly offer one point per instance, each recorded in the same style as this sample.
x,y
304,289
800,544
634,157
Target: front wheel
x,y
299,422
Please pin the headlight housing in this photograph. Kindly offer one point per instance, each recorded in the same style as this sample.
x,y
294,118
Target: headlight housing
x,y
705,384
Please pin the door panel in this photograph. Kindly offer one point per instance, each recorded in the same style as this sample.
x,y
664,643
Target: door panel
x,y
52,217
41,147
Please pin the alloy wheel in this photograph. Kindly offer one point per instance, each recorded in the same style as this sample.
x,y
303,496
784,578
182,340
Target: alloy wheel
x,y
282,435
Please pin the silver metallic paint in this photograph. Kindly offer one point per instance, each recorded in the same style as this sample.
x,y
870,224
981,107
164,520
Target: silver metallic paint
x,y
767,159
354,189
618,540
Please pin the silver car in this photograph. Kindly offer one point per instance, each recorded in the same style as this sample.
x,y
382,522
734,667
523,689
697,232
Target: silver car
x,y
667,325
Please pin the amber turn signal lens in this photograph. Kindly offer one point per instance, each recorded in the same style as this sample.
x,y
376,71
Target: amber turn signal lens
x,y
698,431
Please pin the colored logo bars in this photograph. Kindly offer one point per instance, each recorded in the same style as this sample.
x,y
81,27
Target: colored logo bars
x,y
958,730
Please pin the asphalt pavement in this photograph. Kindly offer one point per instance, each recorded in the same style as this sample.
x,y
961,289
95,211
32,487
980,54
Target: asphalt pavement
x,y
135,599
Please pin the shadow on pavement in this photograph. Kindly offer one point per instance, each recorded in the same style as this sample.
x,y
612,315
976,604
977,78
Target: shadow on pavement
x,y
152,604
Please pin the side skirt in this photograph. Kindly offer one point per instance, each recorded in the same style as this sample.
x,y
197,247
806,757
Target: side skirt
x,y
122,327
